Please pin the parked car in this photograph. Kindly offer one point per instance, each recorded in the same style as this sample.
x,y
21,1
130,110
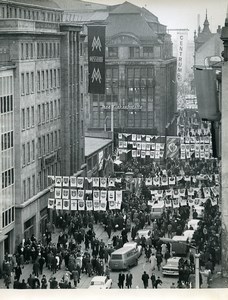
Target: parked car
x,y
143,232
171,267
157,210
134,245
100,282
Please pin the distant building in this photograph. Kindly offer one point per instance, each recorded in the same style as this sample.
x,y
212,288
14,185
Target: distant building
x,y
140,72
7,162
48,103
207,44
140,68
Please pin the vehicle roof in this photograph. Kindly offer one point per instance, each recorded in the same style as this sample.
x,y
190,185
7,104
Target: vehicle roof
x,y
98,278
193,221
130,244
160,204
122,250
174,259
179,238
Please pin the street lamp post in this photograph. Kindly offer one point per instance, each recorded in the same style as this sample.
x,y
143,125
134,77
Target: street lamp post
x,y
197,272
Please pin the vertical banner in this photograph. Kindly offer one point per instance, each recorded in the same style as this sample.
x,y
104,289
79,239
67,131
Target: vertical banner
x,y
182,40
59,203
96,59
172,146
74,205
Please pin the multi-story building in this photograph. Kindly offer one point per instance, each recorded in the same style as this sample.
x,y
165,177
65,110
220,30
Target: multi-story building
x,y
7,162
48,132
140,68
207,44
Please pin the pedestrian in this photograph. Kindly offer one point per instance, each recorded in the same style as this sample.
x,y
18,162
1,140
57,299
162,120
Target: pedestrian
x,y
158,282
129,278
75,277
121,280
145,279
153,262
159,260
44,282
35,268
153,280
18,272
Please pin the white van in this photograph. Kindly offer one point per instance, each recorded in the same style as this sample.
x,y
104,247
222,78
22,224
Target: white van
x,y
157,210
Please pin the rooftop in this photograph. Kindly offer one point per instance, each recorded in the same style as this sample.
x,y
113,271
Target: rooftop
x,y
93,145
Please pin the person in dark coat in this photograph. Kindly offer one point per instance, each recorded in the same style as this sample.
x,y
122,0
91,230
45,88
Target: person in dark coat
x,y
41,262
44,282
129,278
158,282
121,280
153,280
18,272
35,268
145,279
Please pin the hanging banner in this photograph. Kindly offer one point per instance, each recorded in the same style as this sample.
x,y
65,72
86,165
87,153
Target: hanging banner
x,y
111,182
96,205
65,193
111,195
66,204
103,182
164,180
176,193
214,201
182,192
96,59
168,192
88,195
81,205
96,195
103,195
176,203
73,205
80,182
172,180
103,205
119,196
206,192
81,194
172,146
73,182
66,180
95,181
58,193
89,205
148,182
59,204
168,203
51,203
183,202
58,181
156,181
73,194
182,40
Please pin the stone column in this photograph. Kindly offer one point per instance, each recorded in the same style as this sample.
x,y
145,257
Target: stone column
x,y
224,152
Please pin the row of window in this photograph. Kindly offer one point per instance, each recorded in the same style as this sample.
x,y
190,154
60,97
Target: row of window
x,y
8,217
31,14
7,140
28,152
7,178
29,187
6,104
48,79
39,50
27,83
48,143
28,117
134,52
43,180
47,111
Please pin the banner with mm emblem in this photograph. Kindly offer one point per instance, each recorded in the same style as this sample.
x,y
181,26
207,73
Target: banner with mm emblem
x,y
96,59
172,146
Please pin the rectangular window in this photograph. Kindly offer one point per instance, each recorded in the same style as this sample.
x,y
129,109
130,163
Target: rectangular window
x,y
51,79
28,152
148,52
58,77
33,116
32,82
51,110
27,83
43,113
33,185
55,108
23,118
134,52
47,116
56,139
24,190
39,147
33,150
22,51
39,114
44,144
22,83
28,117
51,146
48,143
42,80
113,52
29,188
26,50
55,82
23,155
38,50
38,81
47,79
59,108
31,50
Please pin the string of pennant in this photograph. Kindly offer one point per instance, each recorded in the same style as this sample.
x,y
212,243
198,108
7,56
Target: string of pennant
x,y
104,182
175,203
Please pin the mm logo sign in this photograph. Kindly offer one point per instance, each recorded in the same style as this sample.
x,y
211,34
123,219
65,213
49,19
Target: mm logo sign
x,y
96,75
96,44
96,59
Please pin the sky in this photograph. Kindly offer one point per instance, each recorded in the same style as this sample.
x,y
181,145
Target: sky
x,y
181,14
